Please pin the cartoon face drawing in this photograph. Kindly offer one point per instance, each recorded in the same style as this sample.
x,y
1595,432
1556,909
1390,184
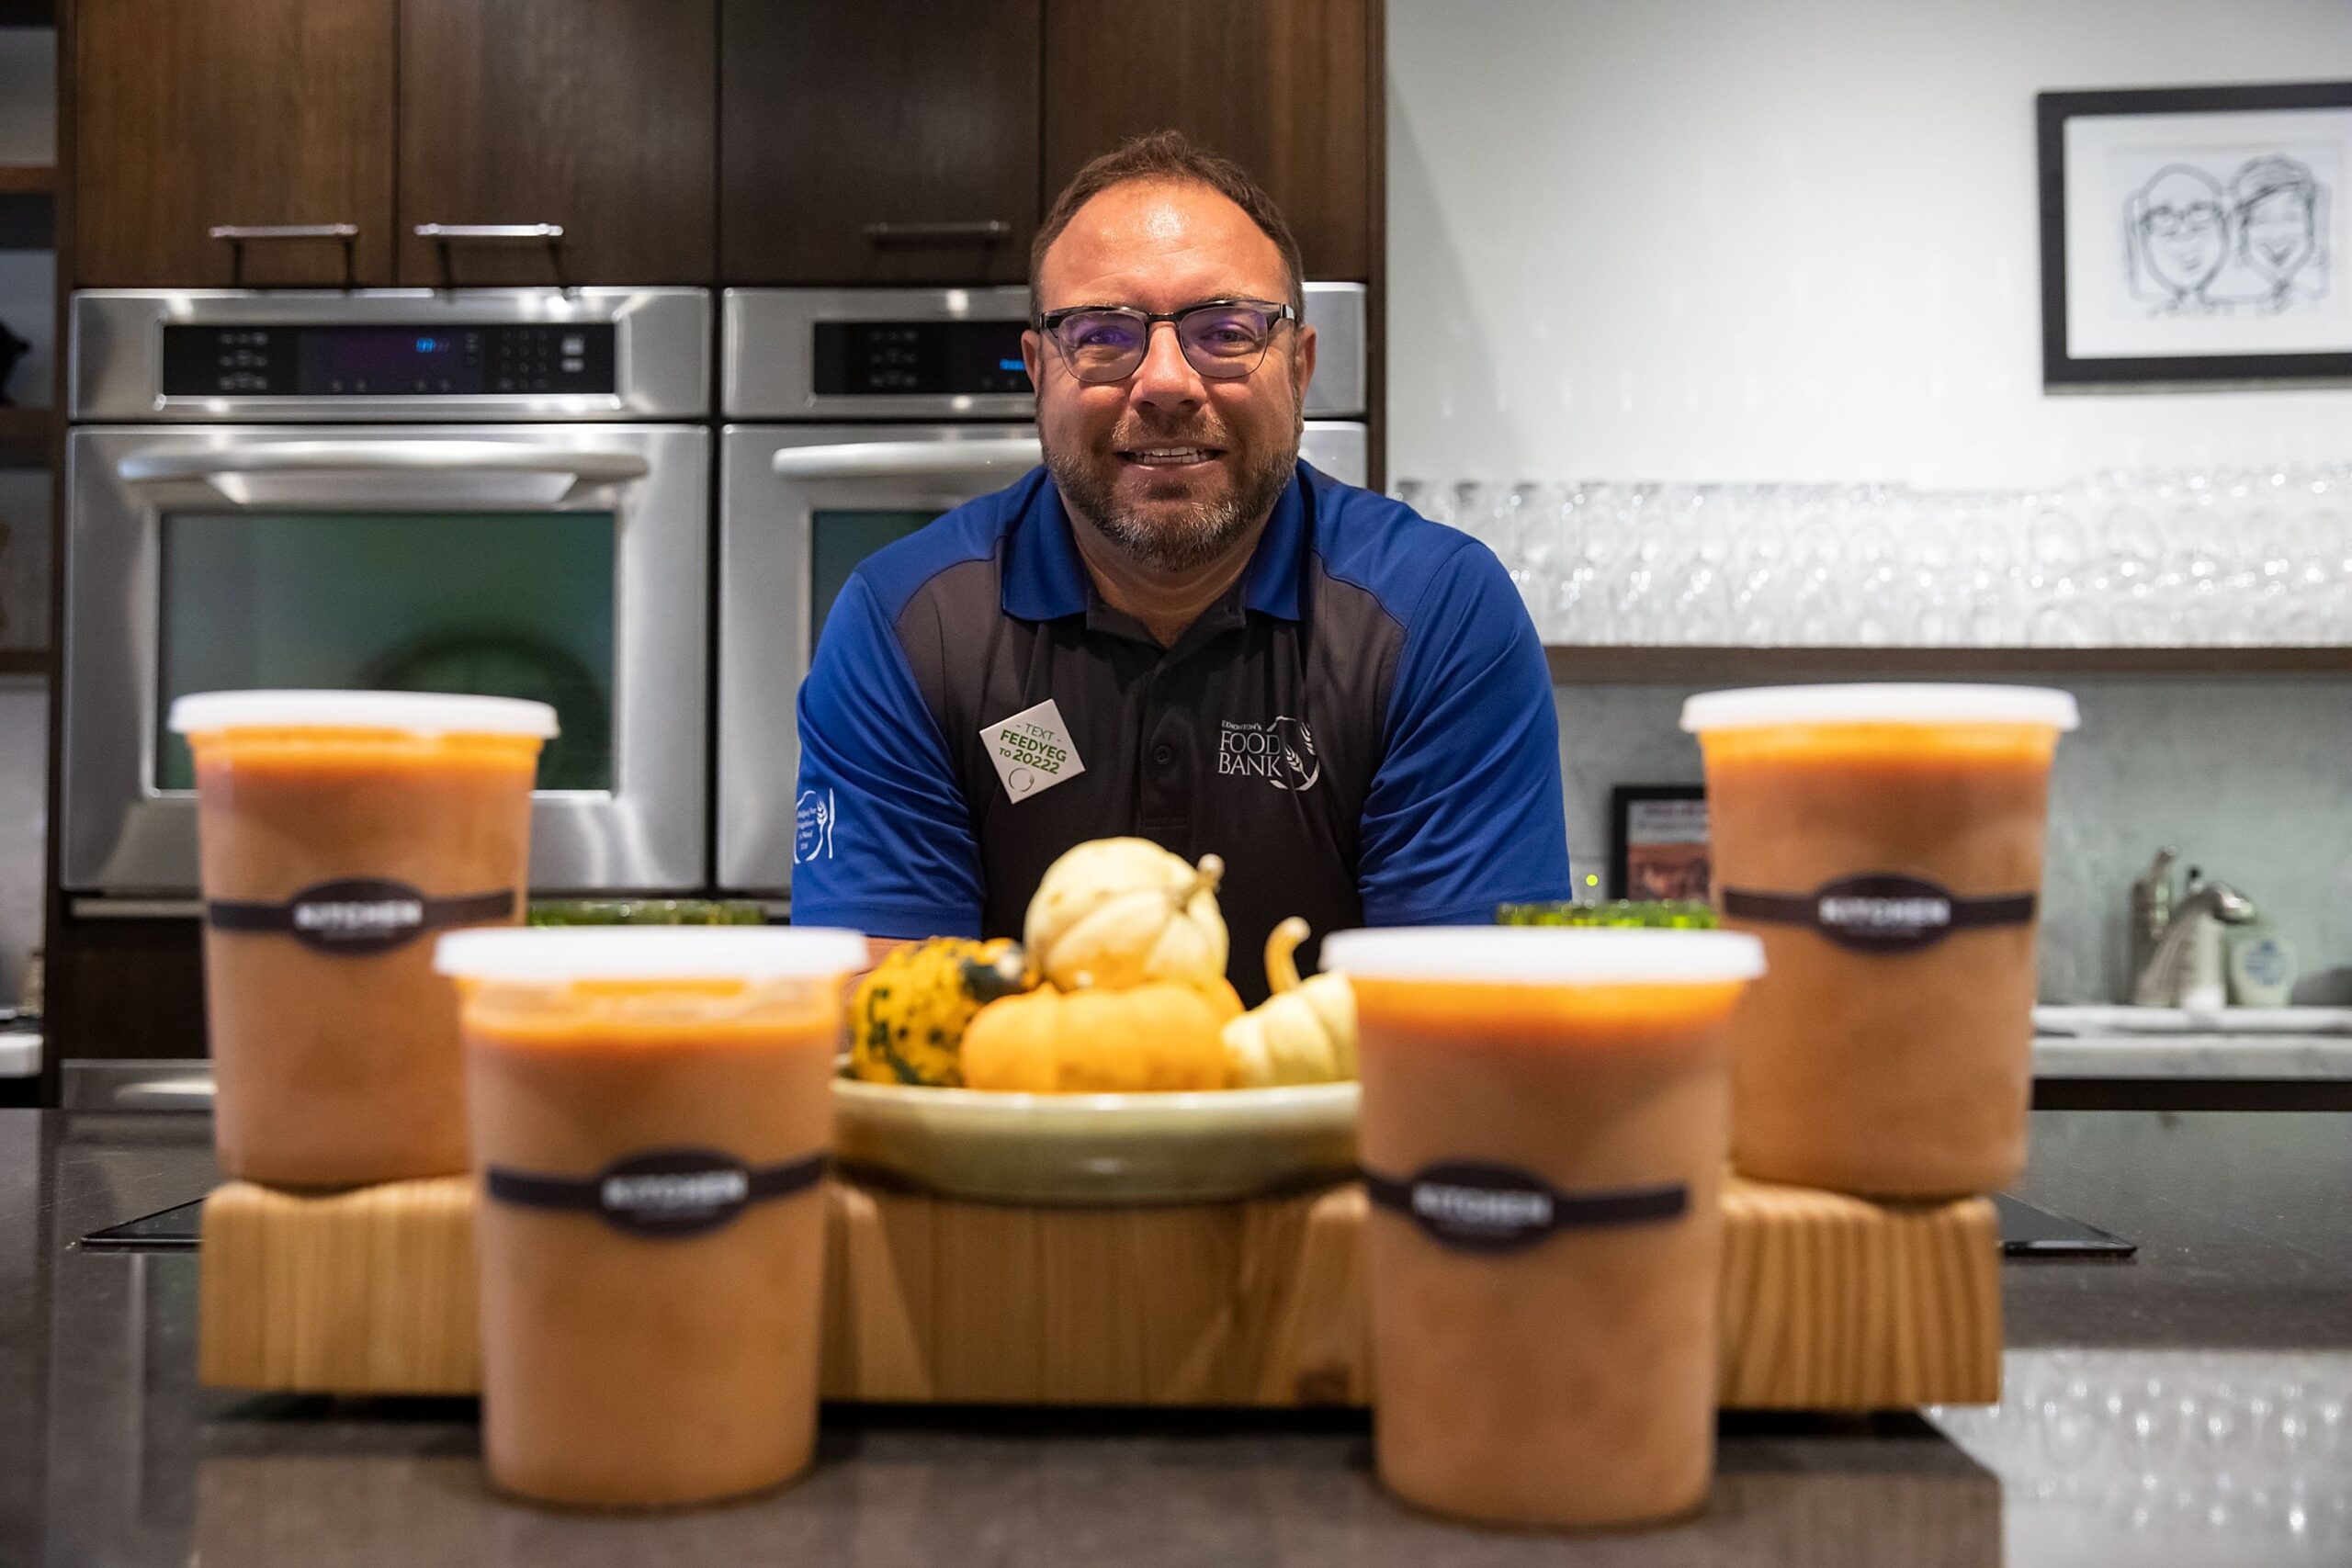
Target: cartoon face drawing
x,y
2276,201
2179,229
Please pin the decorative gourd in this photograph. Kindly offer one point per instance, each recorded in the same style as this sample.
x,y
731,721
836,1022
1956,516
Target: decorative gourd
x,y
1305,1032
1151,1037
1117,912
1223,999
909,1014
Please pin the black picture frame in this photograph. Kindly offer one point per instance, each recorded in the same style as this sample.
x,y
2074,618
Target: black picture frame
x,y
2061,372
1622,800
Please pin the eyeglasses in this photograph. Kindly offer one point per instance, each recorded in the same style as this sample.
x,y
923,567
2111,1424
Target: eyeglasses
x,y
1223,339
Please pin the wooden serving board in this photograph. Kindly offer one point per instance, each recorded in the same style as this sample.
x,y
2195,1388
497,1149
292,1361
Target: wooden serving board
x,y
1830,1303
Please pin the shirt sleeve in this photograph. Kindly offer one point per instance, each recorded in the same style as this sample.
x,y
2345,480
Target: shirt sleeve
x,y
883,843
1465,809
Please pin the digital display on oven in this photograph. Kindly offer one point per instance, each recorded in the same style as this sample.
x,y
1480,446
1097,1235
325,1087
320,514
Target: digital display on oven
x,y
876,359
339,360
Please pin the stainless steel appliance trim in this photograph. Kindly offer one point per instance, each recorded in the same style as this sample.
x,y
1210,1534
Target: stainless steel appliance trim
x,y
764,338
19,1053
158,1084
1010,456
773,479
122,835
136,908
661,347
765,371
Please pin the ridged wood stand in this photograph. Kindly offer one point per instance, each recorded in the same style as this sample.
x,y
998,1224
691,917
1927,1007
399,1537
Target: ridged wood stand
x,y
1830,1303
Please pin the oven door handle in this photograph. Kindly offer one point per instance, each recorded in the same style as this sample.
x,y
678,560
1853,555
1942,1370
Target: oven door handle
x,y
369,472
908,459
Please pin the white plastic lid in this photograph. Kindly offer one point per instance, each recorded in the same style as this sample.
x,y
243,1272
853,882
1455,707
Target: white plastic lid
x,y
425,713
1763,707
1545,955
555,955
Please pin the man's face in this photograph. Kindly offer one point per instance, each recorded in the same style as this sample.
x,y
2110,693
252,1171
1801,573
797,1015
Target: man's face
x,y
2184,231
1170,466
2279,233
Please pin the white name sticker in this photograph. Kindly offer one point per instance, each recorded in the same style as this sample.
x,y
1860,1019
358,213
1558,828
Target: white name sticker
x,y
1031,750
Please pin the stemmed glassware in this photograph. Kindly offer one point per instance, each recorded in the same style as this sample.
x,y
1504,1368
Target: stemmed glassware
x,y
2188,557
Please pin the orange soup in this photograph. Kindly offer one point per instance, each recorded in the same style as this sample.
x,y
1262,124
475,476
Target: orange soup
x,y
1892,872
1544,1161
651,1243
329,856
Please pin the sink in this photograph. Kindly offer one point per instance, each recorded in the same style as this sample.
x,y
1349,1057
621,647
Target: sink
x,y
2110,1019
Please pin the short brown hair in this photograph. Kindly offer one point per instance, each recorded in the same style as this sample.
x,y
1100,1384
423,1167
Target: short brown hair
x,y
1170,156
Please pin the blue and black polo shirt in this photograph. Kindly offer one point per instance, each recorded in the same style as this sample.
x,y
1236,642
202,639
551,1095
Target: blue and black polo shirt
x,y
1362,726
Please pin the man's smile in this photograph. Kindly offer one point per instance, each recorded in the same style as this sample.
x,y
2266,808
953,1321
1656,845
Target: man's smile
x,y
1162,456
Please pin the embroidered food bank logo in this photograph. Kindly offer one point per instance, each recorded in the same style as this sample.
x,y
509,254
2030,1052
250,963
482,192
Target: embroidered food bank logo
x,y
1281,753
812,826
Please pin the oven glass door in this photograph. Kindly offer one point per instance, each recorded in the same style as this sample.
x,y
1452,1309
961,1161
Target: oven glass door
x,y
563,564
365,601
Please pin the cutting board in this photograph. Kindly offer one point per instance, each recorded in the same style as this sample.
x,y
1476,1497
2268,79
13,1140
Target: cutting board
x,y
1830,1303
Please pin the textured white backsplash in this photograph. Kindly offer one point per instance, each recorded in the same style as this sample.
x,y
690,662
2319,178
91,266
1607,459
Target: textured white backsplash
x,y
2250,779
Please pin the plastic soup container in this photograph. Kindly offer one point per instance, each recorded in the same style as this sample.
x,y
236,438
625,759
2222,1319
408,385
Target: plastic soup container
x,y
1542,1135
1884,842
338,832
652,1122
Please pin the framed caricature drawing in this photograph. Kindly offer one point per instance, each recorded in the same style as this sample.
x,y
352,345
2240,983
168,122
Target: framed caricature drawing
x,y
2194,235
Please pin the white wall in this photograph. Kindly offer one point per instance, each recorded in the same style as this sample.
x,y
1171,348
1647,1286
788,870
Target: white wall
x,y
1795,240
1778,239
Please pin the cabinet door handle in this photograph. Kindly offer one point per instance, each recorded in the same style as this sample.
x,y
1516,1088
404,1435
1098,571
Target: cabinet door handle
x,y
242,231
987,229
239,235
444,235
527,231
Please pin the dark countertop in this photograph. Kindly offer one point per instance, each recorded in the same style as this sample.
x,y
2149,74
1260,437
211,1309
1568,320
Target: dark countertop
x,y
2189,1406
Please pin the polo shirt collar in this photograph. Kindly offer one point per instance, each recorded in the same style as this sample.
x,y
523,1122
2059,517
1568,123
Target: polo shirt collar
x,y
1045,579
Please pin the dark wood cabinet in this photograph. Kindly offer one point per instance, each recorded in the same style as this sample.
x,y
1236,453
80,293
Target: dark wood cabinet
x,y
1287,88
197,114
597,116
882,142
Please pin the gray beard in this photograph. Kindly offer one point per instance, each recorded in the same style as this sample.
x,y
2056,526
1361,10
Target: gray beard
x,y
1197,536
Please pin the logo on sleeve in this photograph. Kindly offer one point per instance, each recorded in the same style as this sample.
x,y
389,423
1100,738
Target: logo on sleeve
x,y
1032,750
812,826
1281,753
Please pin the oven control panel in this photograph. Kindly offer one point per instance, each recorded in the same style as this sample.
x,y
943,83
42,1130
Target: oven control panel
x,y
345,360
868,358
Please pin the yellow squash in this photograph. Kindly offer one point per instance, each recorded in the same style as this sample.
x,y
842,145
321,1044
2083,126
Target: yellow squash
x,y
1118,912
907,1015
1305,1032
1148,1037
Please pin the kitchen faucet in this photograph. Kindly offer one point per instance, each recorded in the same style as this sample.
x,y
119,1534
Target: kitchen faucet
x,y
2160,982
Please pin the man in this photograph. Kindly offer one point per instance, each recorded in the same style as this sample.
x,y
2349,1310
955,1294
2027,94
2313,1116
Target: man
x,y
1175,630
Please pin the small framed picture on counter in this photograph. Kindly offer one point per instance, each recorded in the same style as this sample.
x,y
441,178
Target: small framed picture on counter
x,y
1657,843
2196,235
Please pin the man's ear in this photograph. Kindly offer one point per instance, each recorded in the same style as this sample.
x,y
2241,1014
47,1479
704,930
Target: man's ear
x,y
1301,364
1032,355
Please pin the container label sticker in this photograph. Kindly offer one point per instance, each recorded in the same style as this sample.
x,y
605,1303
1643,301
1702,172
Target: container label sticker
x,y
666,1194
1882,912
361,916
1471,1206
1032,750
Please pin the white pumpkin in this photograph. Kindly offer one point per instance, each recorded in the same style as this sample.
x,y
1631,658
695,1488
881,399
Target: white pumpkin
x,y
1305,1032
1118,912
